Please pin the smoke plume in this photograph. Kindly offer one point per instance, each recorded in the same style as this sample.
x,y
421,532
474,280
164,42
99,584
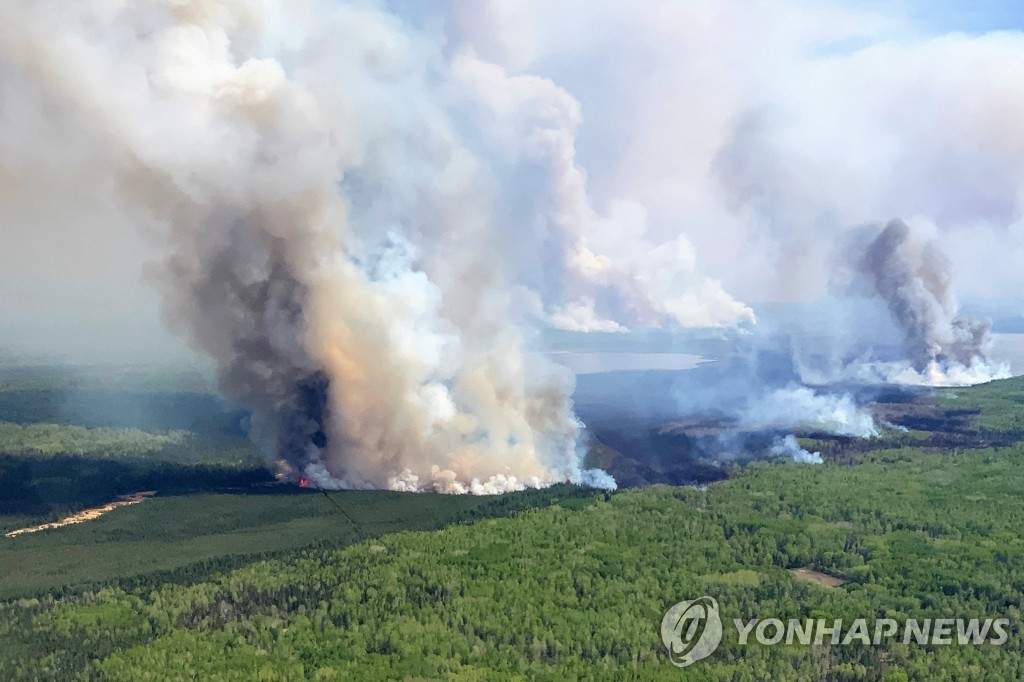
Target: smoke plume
x,y
789,447
326,184
914,280
365,209
799,407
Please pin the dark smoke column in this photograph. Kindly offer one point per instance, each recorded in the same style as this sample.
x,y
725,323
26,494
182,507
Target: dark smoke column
x,y
915,282
234,288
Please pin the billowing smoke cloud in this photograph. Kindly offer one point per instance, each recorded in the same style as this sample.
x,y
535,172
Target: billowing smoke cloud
x,y
331,192
766,162
914,280
365,208
915,286
610,267
764,157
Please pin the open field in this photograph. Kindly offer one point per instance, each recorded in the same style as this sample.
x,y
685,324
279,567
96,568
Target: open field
x,y
816,577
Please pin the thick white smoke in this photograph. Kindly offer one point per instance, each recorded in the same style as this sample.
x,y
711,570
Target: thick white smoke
x,y
765,130
789,447
609,268
799,407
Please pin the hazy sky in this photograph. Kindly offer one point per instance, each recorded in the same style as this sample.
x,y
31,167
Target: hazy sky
x,y
722,146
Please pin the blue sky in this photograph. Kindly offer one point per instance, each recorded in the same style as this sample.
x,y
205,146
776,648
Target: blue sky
x,y
944,16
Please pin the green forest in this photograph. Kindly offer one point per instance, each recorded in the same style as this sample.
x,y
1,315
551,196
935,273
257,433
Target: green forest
x,y
267,582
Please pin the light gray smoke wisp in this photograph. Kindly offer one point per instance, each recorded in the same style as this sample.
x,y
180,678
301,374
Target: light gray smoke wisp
x,y
789,447
914,280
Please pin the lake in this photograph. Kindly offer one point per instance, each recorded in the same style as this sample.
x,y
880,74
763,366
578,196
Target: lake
x,y
593,362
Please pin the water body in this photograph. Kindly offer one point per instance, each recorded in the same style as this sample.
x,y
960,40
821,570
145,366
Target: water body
x,y
1006,349
595,362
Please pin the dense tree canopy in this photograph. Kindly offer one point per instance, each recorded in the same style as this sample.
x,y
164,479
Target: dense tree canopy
x,y
578,590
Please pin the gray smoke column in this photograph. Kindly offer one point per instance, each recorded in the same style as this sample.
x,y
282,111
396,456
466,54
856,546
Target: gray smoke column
x,y
914,280
329,228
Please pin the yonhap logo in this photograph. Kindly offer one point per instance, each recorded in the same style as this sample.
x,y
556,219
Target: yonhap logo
x,y
691,630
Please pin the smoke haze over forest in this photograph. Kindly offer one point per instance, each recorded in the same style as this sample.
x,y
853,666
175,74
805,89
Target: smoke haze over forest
x,y
366,215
